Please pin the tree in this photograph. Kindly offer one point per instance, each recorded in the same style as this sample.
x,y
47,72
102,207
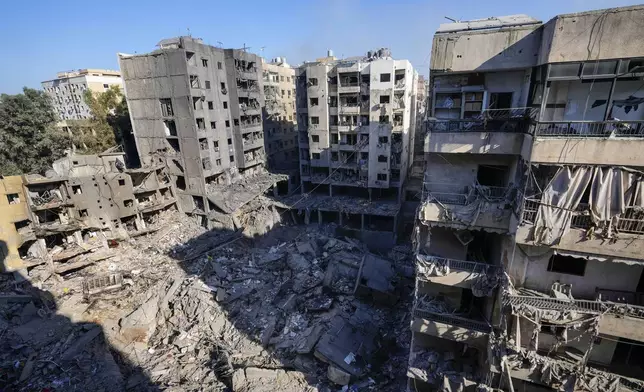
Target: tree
x,y
29,139
97,135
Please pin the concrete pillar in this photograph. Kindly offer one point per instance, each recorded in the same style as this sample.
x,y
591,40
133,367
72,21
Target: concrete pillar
x,y
361,221
330,190
516,332
319,217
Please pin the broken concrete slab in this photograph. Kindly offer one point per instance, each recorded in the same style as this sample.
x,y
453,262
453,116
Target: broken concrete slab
x,y
139,325
338,376
81,343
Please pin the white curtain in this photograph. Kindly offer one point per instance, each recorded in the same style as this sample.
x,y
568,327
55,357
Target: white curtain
x,y
560,198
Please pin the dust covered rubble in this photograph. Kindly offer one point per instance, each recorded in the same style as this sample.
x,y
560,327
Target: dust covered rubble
x,y
207,311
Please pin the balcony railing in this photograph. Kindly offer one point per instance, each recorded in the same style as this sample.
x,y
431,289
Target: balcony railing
x,y
590,129
451,319
631,221
514,125
461,194
462,265
576,305
619,296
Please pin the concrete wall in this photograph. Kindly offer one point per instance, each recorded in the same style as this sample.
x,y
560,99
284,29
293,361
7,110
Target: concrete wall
x,y
529,268
590,151
626,246
466,51
321,111
474,142
594,35
10,239
450,332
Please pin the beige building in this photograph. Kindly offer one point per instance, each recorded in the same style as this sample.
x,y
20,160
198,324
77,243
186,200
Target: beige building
x,y
15,225
530,235
66,91
280,125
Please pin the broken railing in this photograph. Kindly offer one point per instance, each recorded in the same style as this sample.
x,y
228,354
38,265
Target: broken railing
x,y
631,221
589,129
462,194
493,120
461,265
451,319
620,296
575,305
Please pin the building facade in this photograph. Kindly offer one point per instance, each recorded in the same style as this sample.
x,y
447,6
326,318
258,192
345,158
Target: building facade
x,y
280,118
528,260
198,110
355,117
66,91
82,203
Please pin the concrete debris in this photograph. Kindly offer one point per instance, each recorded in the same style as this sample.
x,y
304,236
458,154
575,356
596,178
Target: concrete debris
x,y
185,309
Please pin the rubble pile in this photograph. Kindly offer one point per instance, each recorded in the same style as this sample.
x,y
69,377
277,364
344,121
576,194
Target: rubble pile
x,y
185,309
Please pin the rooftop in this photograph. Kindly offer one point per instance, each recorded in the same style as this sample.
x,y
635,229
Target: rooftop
x,y
493,22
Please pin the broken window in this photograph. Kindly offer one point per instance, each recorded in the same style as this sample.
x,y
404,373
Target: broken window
x,y
219,65
194,81
174,144
230,142
190,57
121,182
129,203
227,123
215,144
492,175
384,120
205,163
385,77
382,177
236,122
232,158
225,105
201,124
334,138
333,101
83,213
207,84
213,125
315,155
382,158
197,103
204,63
313,81
383,139
315,101
315,120
218,162
567,265
180,183
333,120
315,138
211,105
166,107
500,101
76,189
203,144
223,85
385,99
13,198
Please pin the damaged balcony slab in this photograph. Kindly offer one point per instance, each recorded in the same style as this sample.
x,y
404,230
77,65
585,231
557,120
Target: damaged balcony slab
x,y
463,206
229,198
344,204
459,273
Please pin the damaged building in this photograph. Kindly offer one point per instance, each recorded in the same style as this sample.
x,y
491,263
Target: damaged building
x,y
355,120
197,109
280,120
528,238
66,218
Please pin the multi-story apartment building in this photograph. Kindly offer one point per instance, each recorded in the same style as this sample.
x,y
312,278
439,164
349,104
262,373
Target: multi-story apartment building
x,y
280,119
529,237
197,109
355,117
84,201
66,91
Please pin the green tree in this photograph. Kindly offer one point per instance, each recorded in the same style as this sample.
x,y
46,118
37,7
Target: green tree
x,y
96,135
29,139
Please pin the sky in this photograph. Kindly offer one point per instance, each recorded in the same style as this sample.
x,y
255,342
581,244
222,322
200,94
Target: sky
x,y
43,37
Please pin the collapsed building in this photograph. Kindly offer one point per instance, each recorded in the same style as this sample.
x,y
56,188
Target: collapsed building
x,y
355,120
197,109
529,269
66,218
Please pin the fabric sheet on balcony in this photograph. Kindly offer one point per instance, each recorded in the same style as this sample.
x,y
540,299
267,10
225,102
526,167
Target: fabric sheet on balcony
x,y
560,198
612,190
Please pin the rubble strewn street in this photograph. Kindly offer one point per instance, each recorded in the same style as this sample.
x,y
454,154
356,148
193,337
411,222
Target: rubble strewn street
x,y
185,309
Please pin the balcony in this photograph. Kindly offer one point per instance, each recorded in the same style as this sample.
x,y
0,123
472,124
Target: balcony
x,y
486,136
451,272
627,240
616,318
429,319
349,109
465,206
595,142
